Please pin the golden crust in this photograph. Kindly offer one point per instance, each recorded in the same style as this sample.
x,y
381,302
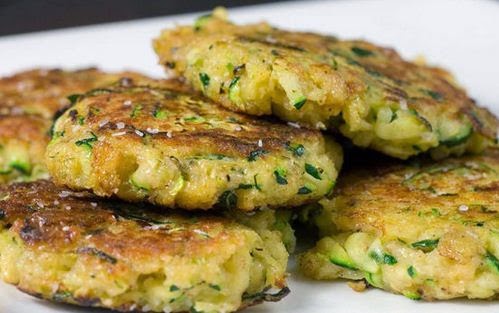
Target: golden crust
x,y
28,102
158,143
44,91
432,222
47,227
370,93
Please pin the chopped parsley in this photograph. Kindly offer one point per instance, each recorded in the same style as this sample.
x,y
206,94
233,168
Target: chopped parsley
x,y
228,199
160,113
174,288
426,245
361,52
435,95
280,176
215,287
256,154
200,21
304,190
411,271
74,98
297,149
195,119
136,110
492,261
383,258
205,79
300,102
312,171
87,142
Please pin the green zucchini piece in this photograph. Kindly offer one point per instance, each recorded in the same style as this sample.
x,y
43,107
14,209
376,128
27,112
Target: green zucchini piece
x,y
374,279
338,256
453,133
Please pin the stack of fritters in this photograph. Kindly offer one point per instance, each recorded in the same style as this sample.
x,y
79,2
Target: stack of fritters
x,y
178,195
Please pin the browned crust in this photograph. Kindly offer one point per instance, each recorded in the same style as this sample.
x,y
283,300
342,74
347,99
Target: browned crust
x,y
216,130
362,66
44,91
65,221
368,198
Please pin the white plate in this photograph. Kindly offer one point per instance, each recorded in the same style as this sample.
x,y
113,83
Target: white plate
x,y
460,35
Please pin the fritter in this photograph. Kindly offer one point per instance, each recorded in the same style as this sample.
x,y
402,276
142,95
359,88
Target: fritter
x,y
427,231
367,92
166,145
28,102
75,248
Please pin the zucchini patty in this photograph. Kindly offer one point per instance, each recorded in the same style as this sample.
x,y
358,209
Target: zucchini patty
x,y
75,248
168,146
369,93
28,102
428,231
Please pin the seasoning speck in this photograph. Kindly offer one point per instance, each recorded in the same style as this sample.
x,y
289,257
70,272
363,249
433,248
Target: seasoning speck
x,y
65,228
68,207
103,123
169,134
119,134
295,125
139,133
120,125
93,204
238,128
152,130
463,208
64,194
260,143
127,103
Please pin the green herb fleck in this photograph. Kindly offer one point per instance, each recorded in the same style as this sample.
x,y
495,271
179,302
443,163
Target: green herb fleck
x,y
87,142
159,113
215,287
257,186
233,82
304,190
200,21
312,171
411,271
256,154
300,102
74,98
434,94
492,261
195,119
297,149
81,120
205,79
98,253
228,199
174,288
383,258
280,176
426,245
361,52
136,110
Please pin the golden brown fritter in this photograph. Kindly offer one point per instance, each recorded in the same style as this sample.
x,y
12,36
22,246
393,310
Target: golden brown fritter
x,y
428,230
28,102
73,247
166,145
368,92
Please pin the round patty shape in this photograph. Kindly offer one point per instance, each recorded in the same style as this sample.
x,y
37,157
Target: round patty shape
x,y
168,146
28,102
367,92
426,231
75,248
